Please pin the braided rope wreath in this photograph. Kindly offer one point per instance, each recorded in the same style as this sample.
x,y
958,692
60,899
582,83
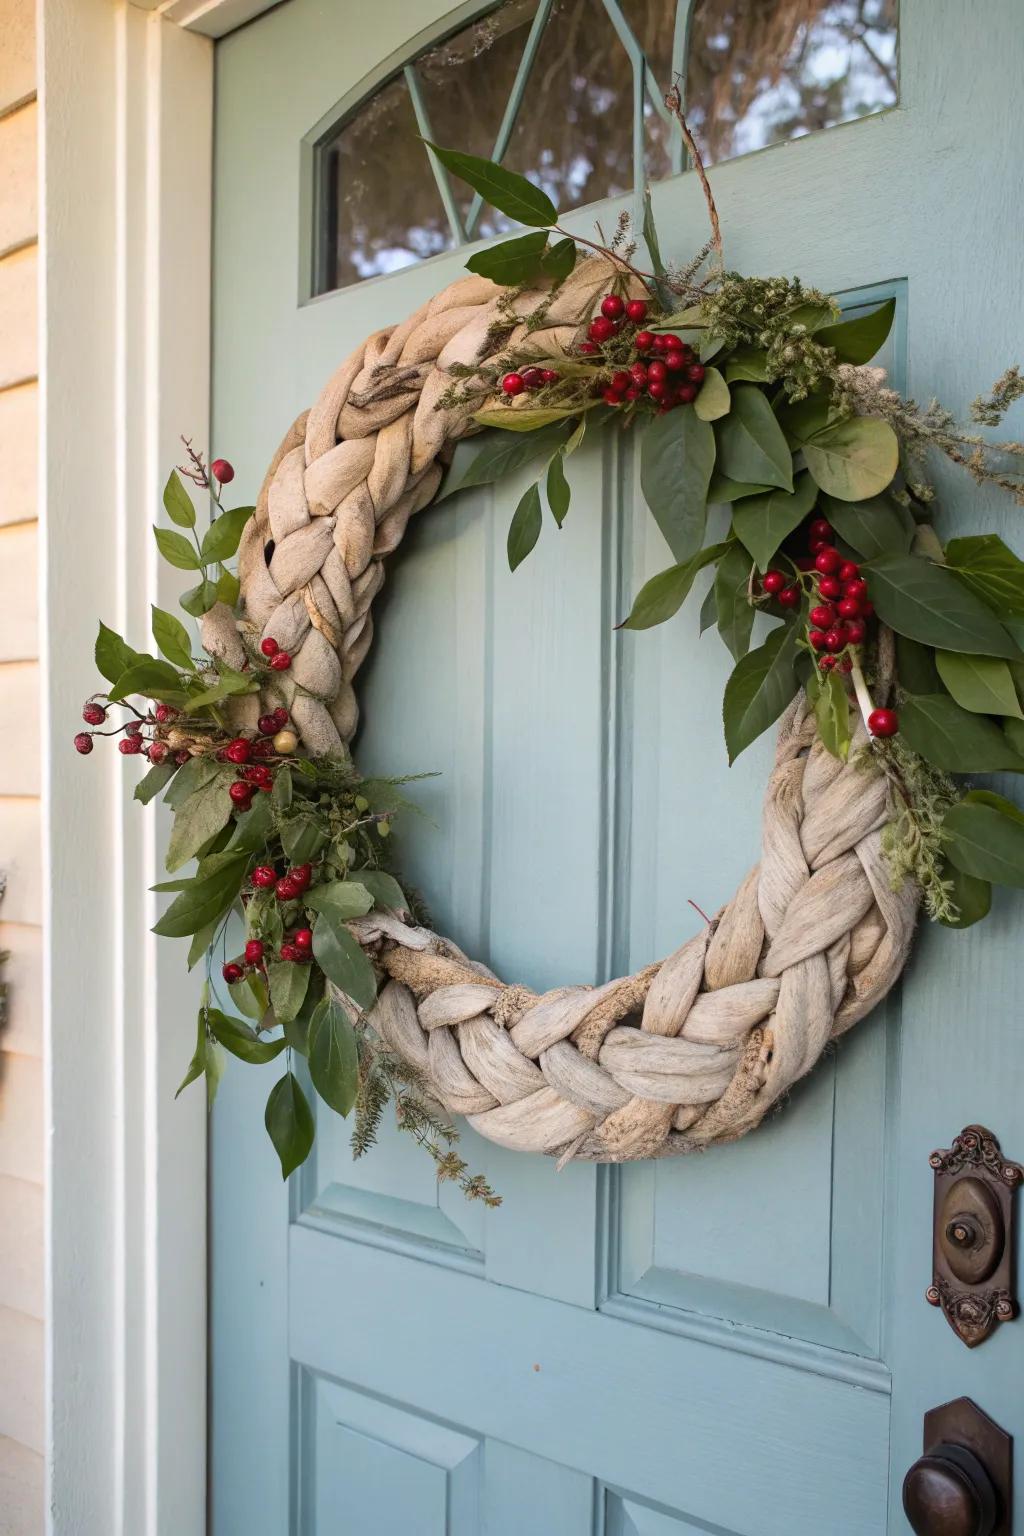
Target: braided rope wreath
x,y
694,1050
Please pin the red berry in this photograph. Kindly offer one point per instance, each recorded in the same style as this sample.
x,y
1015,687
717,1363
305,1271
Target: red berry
x,y
829,586
533,378
258,773
849,608
636,310
855,633
821,529
264,747
638,373
232,972
268,725
695,373
238,751
240,792
586,347
263,877
883,722
222,471
789,597
269,646
657,389
823,617
286,889
848,570
282,717
620,381
816,546
549,375
633,392
130,745
612,307
602,329
827,663
835,639
858,590
281,662
674,361
133,728
686,393
828,561
158,752
817,639
94,714
673,344
302,938
164,712
645,340
83,743
513,384
301,875
182,756
611,396
866,609
289,952
657,372
773,581
660,343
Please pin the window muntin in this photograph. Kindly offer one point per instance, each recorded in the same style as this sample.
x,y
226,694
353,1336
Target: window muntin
x,y
553,88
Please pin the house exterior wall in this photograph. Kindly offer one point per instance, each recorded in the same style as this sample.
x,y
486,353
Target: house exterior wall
x,y
21,1073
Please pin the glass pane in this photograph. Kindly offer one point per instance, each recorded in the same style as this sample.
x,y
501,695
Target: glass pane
x,y
381,208
760,71
653,24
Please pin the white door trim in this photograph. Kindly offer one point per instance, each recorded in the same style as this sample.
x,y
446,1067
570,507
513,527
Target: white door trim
x,y
126,96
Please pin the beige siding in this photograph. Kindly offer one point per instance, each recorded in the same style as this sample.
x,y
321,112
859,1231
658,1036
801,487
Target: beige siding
x,y
21,1076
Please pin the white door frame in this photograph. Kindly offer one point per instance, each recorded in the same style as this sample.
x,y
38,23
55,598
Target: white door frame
x,y
126,96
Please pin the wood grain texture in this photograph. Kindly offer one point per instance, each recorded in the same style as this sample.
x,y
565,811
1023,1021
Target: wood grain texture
x,y
18,55
19,216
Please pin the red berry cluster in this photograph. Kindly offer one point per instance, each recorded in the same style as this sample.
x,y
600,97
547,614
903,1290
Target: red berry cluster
x,y
132,731
298,944
279,660
529,378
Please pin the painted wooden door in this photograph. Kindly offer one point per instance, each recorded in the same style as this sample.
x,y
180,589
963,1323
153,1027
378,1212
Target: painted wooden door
x,y
736,1344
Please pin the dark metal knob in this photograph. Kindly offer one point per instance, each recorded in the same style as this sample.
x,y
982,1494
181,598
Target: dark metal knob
x,y
948,1492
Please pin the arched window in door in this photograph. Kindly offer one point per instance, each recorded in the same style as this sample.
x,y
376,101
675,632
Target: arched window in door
x,y
570,92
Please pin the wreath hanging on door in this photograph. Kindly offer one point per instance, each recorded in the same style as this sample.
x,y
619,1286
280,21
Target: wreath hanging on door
x,y
893,662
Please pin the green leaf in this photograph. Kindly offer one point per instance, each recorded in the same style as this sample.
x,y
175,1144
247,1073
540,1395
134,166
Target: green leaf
x,y
154,679
208,1059
288,982
751,445
991,570
857,341
384,889
984,836
761,686
113,657
557,487
662,596
289,1123
677,455
502,189
250,996
202,902
804,418
832,713
220,541
200,599
853,459
762,522
650,233
915,667
201,941
177,550
200,817
973,897
241,1040
342,960
192,776
341,898
178,502
302,837
254,828
524,529
511,418
878,526
228,684
282,791
513,261
926,602
493,455
714,399
982,684
151,783
559,261
228,587
575,437
732,600
333,1056
172,638
748,364
722,490
953,739
709,609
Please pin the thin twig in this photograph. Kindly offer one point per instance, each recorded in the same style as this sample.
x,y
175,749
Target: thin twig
x,y
647,278
674,102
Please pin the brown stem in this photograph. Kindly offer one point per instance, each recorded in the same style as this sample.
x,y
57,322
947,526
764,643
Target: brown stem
x,y
647,278
674,102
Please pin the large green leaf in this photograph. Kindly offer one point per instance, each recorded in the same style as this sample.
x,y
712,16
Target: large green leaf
x,y
200,598
113,657
953,739
524,529
677,455
342,960
915,667
177,550
207,1058
302,838
202,902
384,889
178,502
982,684
154,679
151,783
878,526
751,445
192,776
832,713
250,995
991,570
761,686
342,898
973,897
524,418
502,189
714,399
857,340
722,490
513,261
747,365
243,1041
172,638
289,1123
985,838
559,260
333,1056
662,596
220,541
288,980
254,827
492,455
762,522
854,458
229,683
557,488
926,602
200,817
733,607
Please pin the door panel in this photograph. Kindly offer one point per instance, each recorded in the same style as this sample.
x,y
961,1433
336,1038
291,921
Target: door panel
x,y
732,1344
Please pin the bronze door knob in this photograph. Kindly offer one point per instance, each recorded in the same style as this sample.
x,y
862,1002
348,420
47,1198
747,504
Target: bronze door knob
x,y
948,1492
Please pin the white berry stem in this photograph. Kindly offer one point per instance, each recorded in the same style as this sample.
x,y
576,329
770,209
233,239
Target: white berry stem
x,y
860,688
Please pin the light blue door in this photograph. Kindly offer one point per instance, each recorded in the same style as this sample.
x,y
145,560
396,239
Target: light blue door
x,y
738,1344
